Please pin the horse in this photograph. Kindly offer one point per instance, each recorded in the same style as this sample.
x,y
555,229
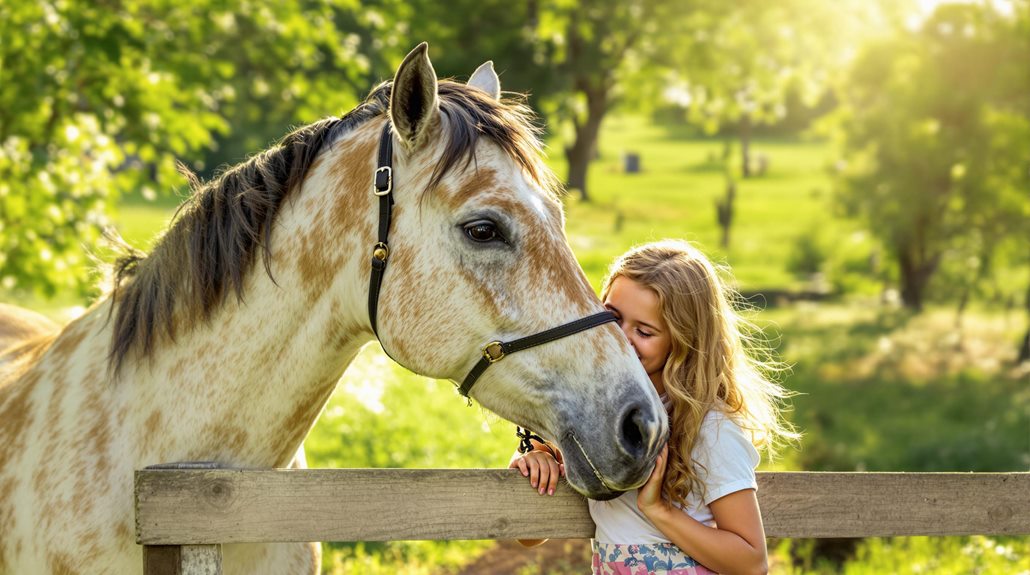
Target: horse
x,y
226,341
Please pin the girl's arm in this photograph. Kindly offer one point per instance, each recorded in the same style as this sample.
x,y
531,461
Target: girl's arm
x,y
735,545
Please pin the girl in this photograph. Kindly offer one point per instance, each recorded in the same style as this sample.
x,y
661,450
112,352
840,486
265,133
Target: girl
x,y
698,512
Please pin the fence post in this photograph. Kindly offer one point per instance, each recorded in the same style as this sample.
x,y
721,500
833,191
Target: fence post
x,y
183,559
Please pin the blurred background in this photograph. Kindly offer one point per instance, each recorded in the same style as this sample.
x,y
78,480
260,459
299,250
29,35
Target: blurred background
x,y
862,168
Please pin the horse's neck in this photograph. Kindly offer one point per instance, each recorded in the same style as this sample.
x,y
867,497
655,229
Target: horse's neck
x,y
246,386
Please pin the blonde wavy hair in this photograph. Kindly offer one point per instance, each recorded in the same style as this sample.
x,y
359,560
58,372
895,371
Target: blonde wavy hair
x,y
715,361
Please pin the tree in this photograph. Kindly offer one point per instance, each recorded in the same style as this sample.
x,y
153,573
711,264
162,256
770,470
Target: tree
x,y
609,50
572,57
747,64
579,60
737,61
97,99
934,130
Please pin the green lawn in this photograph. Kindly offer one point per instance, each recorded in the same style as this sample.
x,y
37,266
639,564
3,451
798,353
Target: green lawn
x,y
676,193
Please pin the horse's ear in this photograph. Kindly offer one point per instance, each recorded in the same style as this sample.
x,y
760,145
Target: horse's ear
x,y
413,101
486,80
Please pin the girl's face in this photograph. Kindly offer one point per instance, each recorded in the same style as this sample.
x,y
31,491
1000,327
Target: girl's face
x,y
637,310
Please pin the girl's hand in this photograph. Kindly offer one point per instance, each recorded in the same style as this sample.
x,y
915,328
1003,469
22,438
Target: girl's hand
x,y
542,469
649,498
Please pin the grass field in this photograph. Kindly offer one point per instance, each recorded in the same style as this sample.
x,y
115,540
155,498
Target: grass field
x,y
880,389
676,193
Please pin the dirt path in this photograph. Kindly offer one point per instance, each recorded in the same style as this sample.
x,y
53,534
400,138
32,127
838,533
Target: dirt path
x,y
556,557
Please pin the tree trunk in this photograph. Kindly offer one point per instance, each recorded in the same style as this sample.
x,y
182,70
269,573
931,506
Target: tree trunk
x,y
915,275
1024,349
724,211
745,146
581,152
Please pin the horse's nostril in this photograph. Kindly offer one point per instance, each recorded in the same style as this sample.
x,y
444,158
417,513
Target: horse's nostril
x,y
632,432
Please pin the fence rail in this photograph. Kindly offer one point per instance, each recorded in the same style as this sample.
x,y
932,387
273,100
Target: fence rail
x,y
201,508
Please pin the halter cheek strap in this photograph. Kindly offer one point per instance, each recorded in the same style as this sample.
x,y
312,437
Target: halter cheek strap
x,y
493,352
382,186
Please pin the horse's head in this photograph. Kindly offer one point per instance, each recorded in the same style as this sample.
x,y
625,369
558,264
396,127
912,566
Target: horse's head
x,y
478,253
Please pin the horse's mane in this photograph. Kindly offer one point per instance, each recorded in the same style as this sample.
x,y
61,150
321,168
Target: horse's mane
x,y
213,240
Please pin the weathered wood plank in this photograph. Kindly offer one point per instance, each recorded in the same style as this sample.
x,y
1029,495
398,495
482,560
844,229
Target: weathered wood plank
x,y
806,504
235,506
230,506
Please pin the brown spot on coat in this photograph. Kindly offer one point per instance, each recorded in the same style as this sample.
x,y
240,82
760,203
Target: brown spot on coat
x,y
317,263
16,414
339,332
226,437
321,248
90,538
66,344
25,354
560,272
151,430
6,515
124,530
61,564
351,174
476,182
299,421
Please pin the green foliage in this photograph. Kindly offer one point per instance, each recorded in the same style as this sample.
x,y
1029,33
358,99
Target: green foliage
x,y
809,253
98,100
935,142
743,64
883,390
502,31
399,558
830,258
427,424
910,556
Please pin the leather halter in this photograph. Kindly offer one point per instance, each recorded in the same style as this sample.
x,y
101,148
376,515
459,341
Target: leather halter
x,y
493,351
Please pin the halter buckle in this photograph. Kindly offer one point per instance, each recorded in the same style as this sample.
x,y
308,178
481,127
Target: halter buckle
x,y
383,183
493,351
381,251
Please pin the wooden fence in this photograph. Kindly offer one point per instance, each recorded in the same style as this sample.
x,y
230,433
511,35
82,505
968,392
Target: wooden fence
x,y
184,515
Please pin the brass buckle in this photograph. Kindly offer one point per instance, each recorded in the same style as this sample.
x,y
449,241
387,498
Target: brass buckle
x,y
381,251
493,351
389,181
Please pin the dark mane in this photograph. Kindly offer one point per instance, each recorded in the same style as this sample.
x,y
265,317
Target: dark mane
x,y
215,236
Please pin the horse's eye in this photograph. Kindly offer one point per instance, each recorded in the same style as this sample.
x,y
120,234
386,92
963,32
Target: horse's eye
x,y
482,232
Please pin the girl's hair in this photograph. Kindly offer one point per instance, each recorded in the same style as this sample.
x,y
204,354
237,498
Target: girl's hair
x,y
715,361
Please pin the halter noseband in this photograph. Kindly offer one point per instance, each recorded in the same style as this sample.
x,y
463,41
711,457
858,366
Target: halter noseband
x,y
493,351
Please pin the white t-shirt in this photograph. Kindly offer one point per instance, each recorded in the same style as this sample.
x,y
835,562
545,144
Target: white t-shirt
x,y
722,448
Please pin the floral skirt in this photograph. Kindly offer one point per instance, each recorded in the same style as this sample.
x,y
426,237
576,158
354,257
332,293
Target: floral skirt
x,y
652,559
